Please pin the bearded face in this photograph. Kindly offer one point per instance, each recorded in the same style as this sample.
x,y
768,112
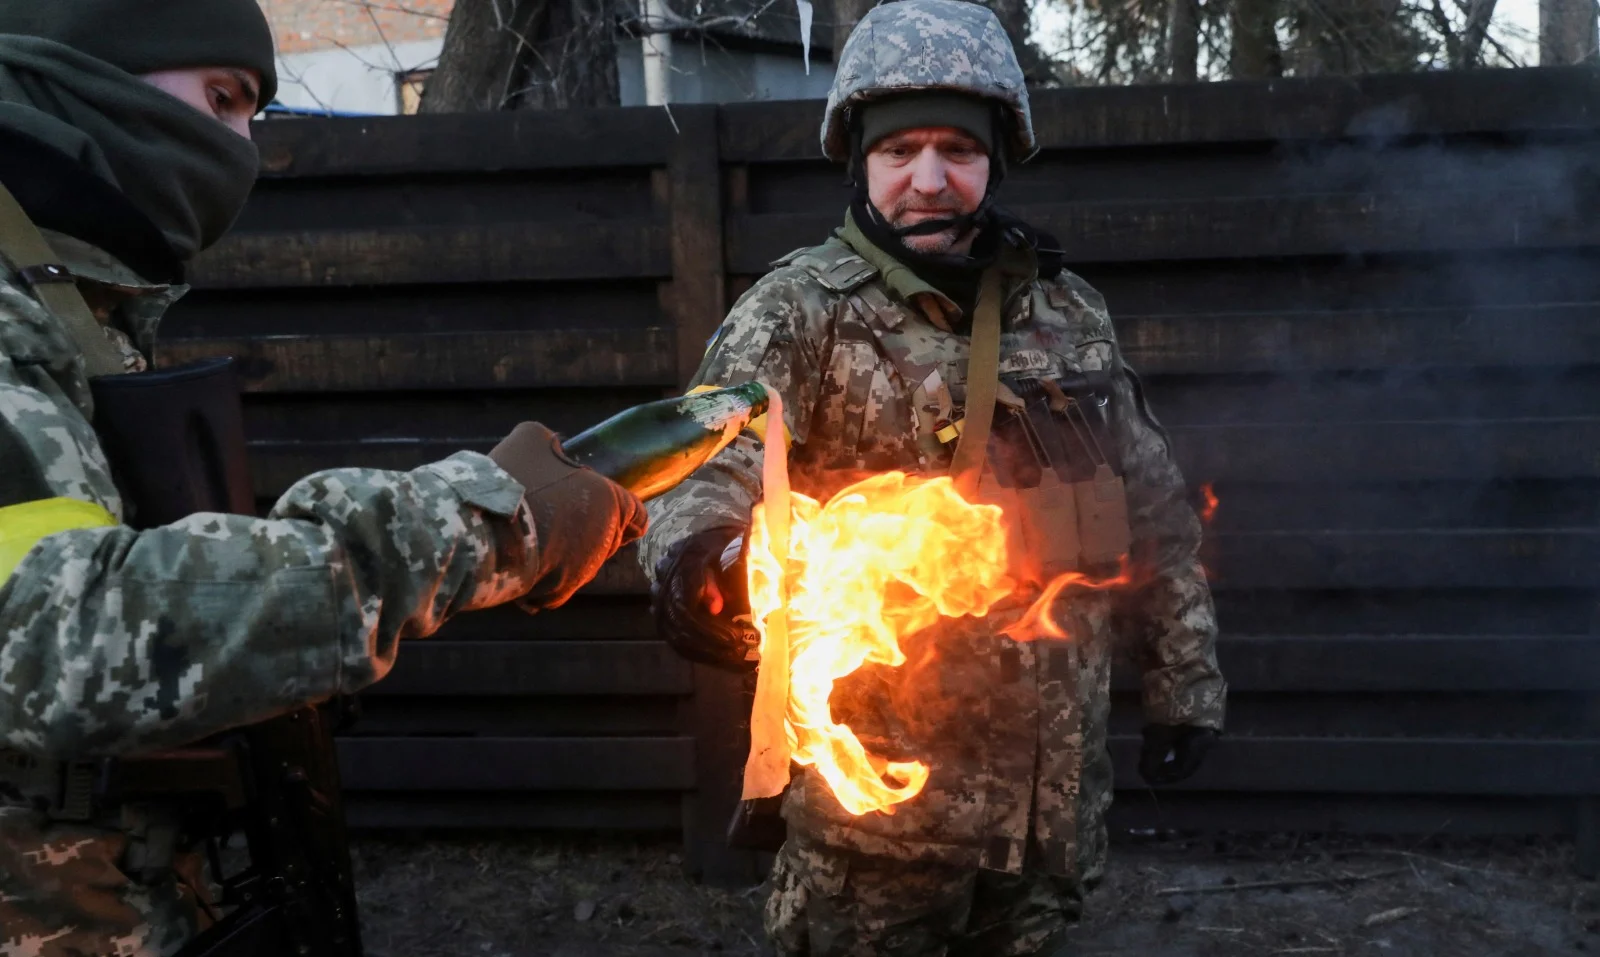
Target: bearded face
x,y
928,173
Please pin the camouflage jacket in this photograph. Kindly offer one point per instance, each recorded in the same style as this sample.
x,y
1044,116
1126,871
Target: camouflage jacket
x,y
116,641
1015,731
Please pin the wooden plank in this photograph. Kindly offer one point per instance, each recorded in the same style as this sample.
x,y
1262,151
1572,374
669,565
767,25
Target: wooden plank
x,y
1331,452
1248,764
407,310
1539,335
551,716
1408,663
1141,813
537,668
1487,559
1377,395
718,716
1253,663
1260,170
274,466
1447,279
1415,280
1469,504
444,417
517,764
695,294
633,811
441,361
583,619
1244,227
1394,611
1386,766
494,252
1315,452
1377,109
463,142
1538,715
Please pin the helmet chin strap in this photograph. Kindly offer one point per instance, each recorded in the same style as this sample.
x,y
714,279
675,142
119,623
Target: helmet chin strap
x,y
961,223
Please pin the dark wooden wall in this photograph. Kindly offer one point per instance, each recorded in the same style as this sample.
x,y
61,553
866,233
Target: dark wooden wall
x,y
1366,311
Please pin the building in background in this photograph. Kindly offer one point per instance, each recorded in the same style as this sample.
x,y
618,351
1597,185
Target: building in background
x,y
374,56
356,56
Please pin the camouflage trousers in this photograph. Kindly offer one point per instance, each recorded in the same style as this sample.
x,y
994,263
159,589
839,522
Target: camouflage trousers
x,y
70,890
829,902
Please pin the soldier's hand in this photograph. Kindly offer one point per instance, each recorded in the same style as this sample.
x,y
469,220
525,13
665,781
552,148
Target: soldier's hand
x,y
702,606
1173,752
580,516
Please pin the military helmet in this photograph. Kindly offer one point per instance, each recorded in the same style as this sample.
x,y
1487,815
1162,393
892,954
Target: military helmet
x,y
908,45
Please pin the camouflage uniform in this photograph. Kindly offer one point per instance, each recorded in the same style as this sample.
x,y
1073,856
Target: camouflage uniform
x,y
1015,731
116,641
991,858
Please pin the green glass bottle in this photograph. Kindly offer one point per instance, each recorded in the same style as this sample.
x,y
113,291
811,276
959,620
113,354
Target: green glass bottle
x,y
652,447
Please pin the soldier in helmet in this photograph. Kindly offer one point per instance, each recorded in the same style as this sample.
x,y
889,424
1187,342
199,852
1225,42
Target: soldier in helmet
x,y
936,334
124,150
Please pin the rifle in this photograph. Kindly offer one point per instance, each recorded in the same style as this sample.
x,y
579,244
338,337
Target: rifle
x,y
175,439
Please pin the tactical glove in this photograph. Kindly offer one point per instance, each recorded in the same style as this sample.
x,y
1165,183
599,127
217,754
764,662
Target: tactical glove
x,y
581,517
702,604
1173,752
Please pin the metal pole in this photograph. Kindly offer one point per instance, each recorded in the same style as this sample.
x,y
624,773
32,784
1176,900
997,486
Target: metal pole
x,y
657,53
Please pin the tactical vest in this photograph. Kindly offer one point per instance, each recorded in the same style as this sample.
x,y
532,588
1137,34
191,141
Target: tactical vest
x,y
1050,463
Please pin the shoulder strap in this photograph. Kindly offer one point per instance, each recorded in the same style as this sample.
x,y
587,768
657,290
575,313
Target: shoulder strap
x,y
983,381
836,266
22,244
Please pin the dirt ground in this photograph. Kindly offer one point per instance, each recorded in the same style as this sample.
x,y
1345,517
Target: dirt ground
x,y
576,896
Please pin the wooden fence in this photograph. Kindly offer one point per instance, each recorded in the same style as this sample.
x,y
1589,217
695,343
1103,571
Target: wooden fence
x,y
1368,311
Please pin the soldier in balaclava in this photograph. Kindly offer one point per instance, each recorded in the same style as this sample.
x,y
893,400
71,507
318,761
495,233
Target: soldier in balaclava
x,y
124,151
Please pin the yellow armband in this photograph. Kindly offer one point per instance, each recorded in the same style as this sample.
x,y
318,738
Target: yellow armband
x,y
22,526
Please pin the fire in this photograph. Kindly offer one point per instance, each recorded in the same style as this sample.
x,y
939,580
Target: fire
x,y
1037,621
1208,511
884,558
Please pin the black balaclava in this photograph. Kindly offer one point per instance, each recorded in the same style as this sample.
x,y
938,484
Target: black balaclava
x,y
69,80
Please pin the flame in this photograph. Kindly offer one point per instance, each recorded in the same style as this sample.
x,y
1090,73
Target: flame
x,y
883,559
1209,510
1037,621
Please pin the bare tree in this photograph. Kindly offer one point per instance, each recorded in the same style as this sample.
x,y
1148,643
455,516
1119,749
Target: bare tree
x,y
1469,49
1183,40
1463,45
526,54
1567,31
1254,52
1342,37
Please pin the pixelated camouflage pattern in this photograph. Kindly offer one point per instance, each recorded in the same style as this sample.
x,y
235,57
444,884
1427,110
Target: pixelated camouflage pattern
x,y
915,45
828,902
1015,731
115,641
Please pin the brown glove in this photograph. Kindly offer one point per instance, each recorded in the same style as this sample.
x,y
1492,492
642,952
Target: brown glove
x,y
581,516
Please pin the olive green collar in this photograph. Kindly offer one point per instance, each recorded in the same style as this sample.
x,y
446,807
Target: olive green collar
x,y
901,280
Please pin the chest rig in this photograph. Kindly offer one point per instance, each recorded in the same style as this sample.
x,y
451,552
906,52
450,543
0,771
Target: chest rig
x,y
1050,458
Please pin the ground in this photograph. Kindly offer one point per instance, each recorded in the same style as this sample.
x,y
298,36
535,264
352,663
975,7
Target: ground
x,y
542,896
